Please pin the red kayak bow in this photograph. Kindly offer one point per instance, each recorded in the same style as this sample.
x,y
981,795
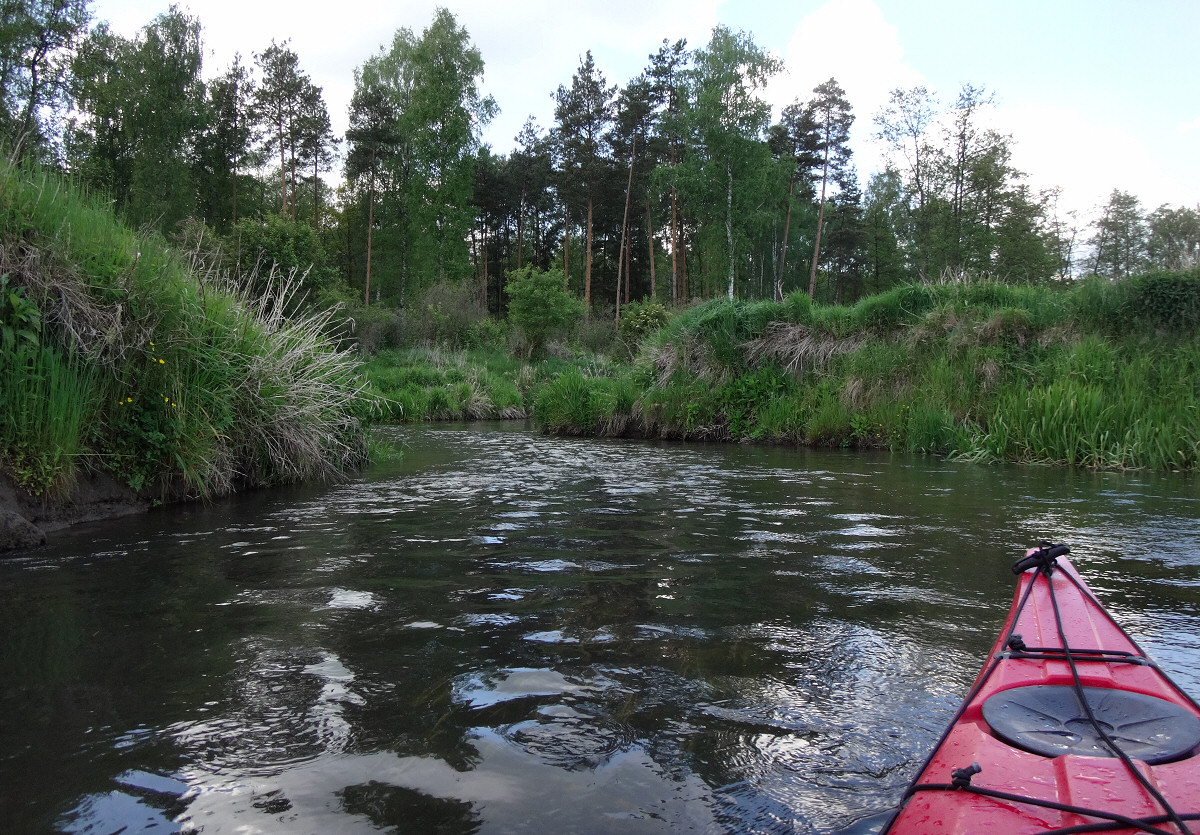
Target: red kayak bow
x,y
1070,727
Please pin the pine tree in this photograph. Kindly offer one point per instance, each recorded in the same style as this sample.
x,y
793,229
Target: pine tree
x,y
831,117
584,113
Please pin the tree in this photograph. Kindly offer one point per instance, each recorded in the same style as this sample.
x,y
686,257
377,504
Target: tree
x,y
794,143
902,124
317,144
419,113
844,254
666,142
224,144
1023,251
627,138
966,208
1174,238
278,100
831,117
726,121
539,304
141,106
1120,238
530,163
584,113
37,41
446,115
372,135
884,218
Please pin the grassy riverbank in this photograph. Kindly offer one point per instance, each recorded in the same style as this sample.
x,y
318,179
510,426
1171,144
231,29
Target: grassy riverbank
x,y
1094,374
434,383
123,356
1097,375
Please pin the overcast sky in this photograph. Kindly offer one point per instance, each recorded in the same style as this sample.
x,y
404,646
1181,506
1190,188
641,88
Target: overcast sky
x,y
1097,94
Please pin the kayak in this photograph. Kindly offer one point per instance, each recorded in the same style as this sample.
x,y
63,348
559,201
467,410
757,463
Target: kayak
x,y
1069,727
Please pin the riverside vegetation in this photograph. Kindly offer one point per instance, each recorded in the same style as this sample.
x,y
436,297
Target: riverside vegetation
x,y
122,356
1094,373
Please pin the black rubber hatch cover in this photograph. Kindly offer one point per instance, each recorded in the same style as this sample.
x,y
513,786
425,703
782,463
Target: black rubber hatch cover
x,y
1048,720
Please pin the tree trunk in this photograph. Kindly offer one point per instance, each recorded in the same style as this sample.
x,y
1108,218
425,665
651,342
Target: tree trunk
x,y
370,226
729,222
787,224
316,194
812,276
650,240
521,228
625,234
683,269
676,282
628,269
587,266
292,168
566,248
35,92
282,170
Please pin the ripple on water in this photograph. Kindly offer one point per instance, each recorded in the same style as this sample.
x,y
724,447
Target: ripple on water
x,y
567,738
480,690
540,566
488,619
349,599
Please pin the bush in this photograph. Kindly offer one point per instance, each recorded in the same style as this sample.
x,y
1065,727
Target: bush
x,y
276,243
596,335
448,313
1164,299
640,319
540,305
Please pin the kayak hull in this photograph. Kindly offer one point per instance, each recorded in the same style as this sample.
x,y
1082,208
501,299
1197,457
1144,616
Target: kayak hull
x,y
1104,657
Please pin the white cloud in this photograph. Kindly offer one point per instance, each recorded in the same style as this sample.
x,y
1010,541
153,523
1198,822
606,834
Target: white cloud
x,y
868,68
1058,146
528,47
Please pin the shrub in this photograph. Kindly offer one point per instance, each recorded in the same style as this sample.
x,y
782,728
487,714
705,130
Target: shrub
x,y
595,335
1164,299
447,313
260,246
640,319
539,304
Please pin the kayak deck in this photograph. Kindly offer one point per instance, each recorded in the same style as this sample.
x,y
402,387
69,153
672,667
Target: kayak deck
x,y
1039,770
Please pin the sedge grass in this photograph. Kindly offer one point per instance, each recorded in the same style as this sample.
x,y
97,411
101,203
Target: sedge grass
x,y
195,386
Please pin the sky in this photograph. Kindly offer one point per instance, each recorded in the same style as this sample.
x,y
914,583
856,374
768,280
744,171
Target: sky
x,y
1096,94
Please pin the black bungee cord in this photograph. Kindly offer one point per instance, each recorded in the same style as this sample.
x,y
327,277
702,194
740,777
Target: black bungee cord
x,y
1087,708
1045,558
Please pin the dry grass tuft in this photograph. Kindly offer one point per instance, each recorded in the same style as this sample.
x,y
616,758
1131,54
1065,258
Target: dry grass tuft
x,y
797,348
692,356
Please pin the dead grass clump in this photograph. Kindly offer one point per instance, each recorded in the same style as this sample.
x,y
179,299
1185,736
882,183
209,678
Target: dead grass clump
x,y
691,356
797,348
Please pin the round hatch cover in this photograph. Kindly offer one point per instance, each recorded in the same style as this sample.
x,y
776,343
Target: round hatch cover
x,y
1048,720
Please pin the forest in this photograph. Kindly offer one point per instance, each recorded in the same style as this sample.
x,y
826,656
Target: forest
x,y
203,288
677,185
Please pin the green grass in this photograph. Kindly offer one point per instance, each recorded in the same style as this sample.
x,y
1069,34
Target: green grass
x,y
418,384
45,405
1092,375
188,384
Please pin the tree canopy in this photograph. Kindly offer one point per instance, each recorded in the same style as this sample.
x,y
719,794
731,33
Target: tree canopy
x,y
679,183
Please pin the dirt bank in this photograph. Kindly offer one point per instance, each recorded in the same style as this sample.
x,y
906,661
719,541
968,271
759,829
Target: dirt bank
x,y
25,521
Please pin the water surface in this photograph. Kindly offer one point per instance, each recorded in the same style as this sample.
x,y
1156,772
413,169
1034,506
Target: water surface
x,y
505,632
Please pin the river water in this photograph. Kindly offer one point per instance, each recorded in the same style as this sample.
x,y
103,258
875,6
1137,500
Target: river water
x,y
504,632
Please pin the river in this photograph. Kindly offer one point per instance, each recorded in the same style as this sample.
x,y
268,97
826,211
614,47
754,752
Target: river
x,y
506,632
